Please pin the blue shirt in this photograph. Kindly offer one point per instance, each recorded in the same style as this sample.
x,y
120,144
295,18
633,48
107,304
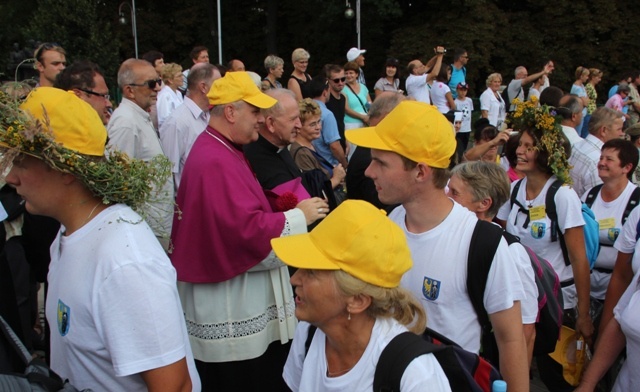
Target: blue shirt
x,y
328,135
457,76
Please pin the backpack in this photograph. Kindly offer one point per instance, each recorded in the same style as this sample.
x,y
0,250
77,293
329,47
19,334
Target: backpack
x,y
591,227
484,243
465,371
634,199
37,376
506,99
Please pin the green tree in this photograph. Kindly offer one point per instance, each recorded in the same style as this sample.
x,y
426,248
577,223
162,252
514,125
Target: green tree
x,y
80,27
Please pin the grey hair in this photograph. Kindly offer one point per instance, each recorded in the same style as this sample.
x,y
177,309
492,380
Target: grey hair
x,y
602,116
518,70
198,73
299,54
127,72
485,179
272,61
493,76
384,104
277,93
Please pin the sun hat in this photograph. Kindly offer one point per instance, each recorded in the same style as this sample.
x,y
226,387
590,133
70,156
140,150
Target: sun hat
x,y
238,86
356,238
65,132
353,53
415,130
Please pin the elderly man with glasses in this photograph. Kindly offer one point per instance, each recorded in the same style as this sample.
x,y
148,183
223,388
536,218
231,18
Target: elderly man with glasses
x,y
130,130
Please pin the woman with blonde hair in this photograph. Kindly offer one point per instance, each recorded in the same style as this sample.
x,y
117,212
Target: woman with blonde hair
x,y
348,287
302,150
169,97
578,88
299,79
492,106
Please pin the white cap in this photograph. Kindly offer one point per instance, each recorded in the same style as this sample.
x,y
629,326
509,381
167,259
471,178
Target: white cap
x,y
457,116
353,53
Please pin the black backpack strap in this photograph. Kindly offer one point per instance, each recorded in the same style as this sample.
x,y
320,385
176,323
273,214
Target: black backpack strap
x,y
511,239
634,199
310,334
514,200
15,342
395,358
482,249
591,196
552,213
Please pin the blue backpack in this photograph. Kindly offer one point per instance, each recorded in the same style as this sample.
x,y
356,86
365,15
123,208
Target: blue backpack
x,y
591,227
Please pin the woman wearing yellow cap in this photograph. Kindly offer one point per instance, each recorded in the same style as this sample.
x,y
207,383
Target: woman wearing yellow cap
x,y
347,285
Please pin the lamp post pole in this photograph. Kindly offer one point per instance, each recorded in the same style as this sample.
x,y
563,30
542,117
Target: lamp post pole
x,y
134,28
219,34
358,21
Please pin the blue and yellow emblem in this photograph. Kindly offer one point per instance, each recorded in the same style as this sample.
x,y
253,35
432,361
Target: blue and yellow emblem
x,y
538,230
613,233
430,288
64,318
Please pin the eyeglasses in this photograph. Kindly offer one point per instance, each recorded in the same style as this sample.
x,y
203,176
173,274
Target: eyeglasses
x,y
338,80
149,83
105,96
44,47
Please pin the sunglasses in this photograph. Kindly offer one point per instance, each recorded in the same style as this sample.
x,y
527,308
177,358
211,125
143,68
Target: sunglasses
x,y
105,96
338,80
44,47
149,83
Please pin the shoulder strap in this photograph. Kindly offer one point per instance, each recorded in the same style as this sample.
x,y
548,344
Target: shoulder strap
x,y
591,196
631,204
511,239
359,100
514,192
552,213
395,358
482,249
15,342
310,334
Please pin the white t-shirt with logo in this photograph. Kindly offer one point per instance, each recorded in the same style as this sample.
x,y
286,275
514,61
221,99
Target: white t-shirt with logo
x,y
537,234
309,373
438,277
609,216
626,241
466,107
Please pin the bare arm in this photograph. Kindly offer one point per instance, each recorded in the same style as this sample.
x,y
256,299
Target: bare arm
x,y
354,114
338,153
294,86
507,327
478,150
338,176
450,102
604,356
530,339
620,280
574,238
437,63
545,71
174,377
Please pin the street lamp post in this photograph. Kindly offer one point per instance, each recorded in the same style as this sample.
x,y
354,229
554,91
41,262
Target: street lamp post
x,y
123,21
349,13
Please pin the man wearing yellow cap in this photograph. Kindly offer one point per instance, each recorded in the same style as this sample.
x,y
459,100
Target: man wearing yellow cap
x,y
112,305
411,150
236,294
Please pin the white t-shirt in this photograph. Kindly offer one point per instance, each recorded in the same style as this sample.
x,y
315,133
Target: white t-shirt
x,y
494,106
626,241
466,107
529,305
417,88
537,234
113,305
627,313
168,100
439,92
438,277
609,216
309,374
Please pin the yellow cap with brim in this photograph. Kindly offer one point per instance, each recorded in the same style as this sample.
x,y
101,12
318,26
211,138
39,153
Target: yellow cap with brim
x,y
357,238
74,123
415,130
238,86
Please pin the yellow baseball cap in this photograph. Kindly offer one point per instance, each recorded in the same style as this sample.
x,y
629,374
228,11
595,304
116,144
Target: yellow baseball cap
x,y
415,130
74,123
357,238
238,86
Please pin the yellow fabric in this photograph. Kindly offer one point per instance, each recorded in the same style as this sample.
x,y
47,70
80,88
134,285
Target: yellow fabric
x,y
415,130
74,123
357,238
238,86
571,354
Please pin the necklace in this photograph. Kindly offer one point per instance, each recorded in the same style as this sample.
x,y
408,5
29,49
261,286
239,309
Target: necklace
x,y
91,213
338,373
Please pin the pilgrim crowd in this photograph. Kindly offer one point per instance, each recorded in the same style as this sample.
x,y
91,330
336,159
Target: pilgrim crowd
x,y
223,229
